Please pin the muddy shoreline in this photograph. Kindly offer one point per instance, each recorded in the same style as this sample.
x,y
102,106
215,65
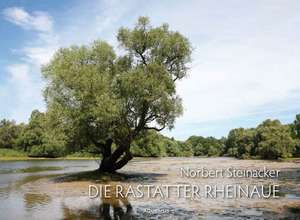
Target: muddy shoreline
x,y
74,192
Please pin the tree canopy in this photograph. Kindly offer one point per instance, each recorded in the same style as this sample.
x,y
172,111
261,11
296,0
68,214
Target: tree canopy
x,y
9,132
269,140
112,98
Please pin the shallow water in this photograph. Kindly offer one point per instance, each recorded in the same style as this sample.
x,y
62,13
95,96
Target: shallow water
x,y
28,191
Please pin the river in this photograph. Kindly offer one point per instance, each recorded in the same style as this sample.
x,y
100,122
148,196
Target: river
x,y
38,189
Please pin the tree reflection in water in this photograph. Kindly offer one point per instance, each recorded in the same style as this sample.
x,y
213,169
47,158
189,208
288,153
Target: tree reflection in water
x,y
111,208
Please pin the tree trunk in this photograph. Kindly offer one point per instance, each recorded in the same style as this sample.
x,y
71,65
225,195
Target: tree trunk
x,y
116,160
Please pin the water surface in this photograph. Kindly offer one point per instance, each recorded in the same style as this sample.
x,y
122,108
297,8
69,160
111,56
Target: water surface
x,y
30,190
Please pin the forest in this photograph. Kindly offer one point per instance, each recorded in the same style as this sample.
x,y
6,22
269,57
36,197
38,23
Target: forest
x,y
269,140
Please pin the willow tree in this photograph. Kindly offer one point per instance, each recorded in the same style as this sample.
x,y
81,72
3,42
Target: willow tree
x,y
111,100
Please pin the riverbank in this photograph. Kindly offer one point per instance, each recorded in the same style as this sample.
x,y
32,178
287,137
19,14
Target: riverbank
x,y
72,190
14,155
45,158
63,187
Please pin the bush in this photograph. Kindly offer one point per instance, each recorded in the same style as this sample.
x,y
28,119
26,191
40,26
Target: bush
x,y
46,151
9,133
206,146
52,146
172,147
186,149
153,144
149,145
270,140
241,142
274,140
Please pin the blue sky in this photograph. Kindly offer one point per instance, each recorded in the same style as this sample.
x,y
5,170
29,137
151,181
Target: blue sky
x,y
245,66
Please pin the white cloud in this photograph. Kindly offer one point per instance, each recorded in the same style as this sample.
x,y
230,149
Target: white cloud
x,y
24,82
22,91
19,73
39,21
40,50
39,55
245,62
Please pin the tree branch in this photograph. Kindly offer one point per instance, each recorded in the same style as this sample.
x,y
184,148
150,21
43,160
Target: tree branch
x,y
174,80
155,128
142,56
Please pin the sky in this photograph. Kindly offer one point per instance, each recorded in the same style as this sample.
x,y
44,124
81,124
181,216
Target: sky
x,y
245,64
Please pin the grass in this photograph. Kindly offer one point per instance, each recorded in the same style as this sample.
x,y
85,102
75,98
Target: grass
x,y
10,154
45,158
290,159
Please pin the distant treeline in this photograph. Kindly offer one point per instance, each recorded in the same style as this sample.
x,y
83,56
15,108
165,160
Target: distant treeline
x,y
41,138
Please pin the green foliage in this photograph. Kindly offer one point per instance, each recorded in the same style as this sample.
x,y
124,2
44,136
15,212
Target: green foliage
x,y
186,149
51,146
270,140
172,147
102,102
11,153
40,138
9,133
274,140
101,97
209,146
150,144
295,127
241,142
153,144
32,133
